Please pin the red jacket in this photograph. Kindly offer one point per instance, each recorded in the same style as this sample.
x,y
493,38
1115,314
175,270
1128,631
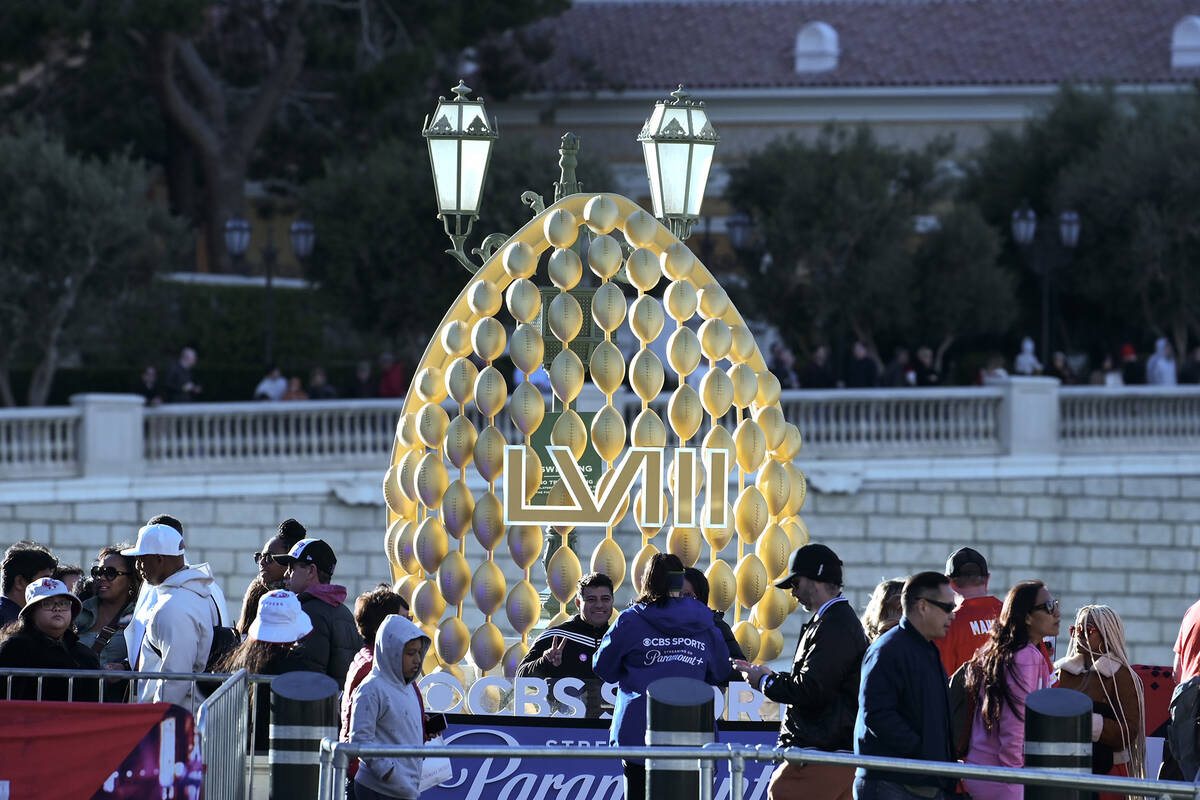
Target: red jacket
x,y
973,620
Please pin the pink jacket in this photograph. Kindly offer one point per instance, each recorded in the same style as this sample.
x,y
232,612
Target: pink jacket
x,y
1005,746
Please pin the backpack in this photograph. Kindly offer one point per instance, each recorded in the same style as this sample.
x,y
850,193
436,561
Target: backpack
x,y
962,713
224,641
1182,729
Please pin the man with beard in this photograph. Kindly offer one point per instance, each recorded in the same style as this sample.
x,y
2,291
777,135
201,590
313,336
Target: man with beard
x,y
566,650
821,691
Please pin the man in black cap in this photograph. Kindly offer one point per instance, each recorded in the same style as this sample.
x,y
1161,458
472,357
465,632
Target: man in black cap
x,y
975,613
334,639
821,691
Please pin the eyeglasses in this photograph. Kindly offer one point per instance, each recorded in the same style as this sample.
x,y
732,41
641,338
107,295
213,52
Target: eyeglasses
x,y
1050,606
107,573
58,605
946,607
267,558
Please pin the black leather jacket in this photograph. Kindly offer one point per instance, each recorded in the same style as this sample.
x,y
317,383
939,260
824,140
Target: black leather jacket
x,y
821,691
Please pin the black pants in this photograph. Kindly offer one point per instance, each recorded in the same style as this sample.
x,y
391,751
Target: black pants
x,y
635,781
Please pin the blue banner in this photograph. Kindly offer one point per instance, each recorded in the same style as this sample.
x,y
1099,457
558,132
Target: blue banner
x,y
501,777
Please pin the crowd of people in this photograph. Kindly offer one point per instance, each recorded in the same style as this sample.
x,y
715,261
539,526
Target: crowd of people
x,y
863,370
390,379
934,668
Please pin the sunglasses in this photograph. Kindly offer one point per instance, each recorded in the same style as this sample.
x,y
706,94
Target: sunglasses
x,y
1089,628
107,573
946,607
1050,606
267,558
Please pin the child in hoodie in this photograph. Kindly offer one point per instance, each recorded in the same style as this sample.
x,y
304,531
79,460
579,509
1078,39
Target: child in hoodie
x,y
387,709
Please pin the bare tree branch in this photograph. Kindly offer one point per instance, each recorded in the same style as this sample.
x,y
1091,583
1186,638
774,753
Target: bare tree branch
x,y
267,102
164,47
203,80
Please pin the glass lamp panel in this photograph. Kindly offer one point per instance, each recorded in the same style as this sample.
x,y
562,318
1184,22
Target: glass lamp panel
x,y
673,157
474,121
650,154
698,120
443,153
303,237
474,167
674,123
702,155
237,236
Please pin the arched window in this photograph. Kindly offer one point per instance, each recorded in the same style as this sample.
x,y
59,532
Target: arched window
x,y
1185,43
816,48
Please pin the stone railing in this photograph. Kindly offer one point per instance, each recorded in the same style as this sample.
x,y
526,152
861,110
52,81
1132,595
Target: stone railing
x,y
1143,418
115,435
39,442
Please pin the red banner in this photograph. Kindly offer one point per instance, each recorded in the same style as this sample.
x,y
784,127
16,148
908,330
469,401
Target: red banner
x,y
102,751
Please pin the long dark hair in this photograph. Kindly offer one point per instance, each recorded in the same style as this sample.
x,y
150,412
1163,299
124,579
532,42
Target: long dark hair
x,y
656,588
135,577
257,657
989,668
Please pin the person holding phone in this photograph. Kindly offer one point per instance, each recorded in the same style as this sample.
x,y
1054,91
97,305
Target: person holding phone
x,y
821,691
662,635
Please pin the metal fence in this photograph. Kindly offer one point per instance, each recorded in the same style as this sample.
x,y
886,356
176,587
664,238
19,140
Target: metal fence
x,y
335,756
223,725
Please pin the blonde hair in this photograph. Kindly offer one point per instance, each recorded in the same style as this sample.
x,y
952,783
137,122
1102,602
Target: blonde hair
x,y
1112,634
874,621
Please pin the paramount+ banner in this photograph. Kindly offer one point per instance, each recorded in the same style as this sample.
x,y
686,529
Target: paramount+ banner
x,y
509,778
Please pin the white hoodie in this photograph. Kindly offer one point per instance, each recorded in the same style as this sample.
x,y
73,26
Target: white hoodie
x,y
385,709
179,631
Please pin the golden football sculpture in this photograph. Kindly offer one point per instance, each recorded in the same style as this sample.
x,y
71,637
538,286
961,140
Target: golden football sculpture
x,y
729,492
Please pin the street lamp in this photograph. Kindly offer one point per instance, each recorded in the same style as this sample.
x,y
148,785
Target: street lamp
x,y
678,142
302,235
1024,230
460,141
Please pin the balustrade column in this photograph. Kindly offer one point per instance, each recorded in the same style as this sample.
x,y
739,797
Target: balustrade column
x,y
111,441
1028,415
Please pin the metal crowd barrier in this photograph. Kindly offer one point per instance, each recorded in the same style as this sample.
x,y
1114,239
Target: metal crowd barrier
x,y
223,725
336,755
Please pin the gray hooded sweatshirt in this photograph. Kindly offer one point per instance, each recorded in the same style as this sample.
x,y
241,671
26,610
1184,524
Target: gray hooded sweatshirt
x,y
386,709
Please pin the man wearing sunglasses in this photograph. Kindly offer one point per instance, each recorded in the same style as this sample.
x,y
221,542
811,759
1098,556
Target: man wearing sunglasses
x,y
903,699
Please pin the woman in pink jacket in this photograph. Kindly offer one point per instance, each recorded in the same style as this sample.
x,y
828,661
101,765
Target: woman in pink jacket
x,y
1000,676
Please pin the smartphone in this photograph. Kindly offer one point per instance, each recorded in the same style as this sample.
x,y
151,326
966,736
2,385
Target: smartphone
x,y
434,724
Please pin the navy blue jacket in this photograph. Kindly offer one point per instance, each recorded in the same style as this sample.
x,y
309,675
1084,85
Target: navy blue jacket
x,y
903,705
649,642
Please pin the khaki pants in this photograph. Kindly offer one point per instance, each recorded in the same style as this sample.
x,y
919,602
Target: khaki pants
x,y
811,782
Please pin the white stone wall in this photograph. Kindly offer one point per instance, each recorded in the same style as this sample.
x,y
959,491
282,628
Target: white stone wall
x,y
1126,536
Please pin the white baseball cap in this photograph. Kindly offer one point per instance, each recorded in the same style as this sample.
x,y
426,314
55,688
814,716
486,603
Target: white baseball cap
x,y
44,589
280,619
157,540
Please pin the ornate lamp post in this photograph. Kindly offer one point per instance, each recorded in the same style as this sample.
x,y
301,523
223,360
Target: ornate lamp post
x,y
1024,230
302,235
677,145
460,138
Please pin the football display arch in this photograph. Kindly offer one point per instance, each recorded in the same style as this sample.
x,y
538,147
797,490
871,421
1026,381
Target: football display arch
x,y
728,489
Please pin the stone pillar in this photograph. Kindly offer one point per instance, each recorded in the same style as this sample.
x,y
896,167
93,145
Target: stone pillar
x,y
1029,415
111,441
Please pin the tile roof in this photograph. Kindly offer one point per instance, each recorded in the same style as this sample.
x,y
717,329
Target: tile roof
x,y
750,43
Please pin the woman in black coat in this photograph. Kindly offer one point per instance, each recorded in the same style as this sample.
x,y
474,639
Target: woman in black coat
x,y
42,638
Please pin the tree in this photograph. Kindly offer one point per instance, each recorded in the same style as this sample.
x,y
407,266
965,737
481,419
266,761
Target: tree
x,y
247,88
76,235
960,289
836,218
379,254
1138,192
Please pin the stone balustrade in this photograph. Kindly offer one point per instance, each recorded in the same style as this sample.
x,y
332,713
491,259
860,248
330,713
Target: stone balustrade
x,y
116,435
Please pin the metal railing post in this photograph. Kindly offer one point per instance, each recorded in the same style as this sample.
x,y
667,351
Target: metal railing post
x,y
737,768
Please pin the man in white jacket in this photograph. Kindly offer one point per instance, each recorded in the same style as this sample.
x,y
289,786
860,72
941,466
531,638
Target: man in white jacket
x,y
180,619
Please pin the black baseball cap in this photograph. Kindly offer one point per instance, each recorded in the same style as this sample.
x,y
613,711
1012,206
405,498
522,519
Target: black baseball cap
x,y
966,563
311,551
815,561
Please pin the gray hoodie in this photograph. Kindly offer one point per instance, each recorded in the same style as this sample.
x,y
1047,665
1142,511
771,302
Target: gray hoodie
x,y
386,709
